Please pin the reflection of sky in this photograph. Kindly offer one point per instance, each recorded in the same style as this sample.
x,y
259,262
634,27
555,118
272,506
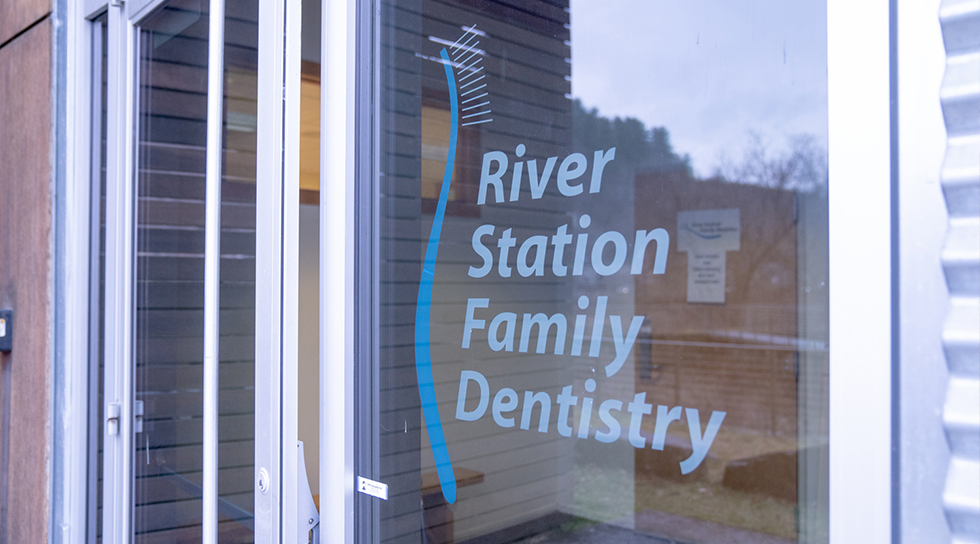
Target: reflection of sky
x,y
708,71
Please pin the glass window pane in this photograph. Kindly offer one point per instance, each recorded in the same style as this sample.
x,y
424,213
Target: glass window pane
x,y
602,273
170,274
236,349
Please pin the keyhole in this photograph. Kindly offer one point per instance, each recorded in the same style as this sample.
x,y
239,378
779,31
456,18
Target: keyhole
x,y
263,480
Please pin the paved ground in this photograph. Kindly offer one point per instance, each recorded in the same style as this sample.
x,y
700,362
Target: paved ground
x,y
697,531
669,528
595,534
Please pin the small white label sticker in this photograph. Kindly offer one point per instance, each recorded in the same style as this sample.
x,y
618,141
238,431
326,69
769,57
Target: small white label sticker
x,y
3,327
373,488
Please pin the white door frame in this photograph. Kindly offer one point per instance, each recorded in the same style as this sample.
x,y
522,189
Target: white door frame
x,y
277,272
117,502
339,143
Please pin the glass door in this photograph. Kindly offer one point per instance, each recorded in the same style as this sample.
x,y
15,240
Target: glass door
x,y
201,275
170,274
594,272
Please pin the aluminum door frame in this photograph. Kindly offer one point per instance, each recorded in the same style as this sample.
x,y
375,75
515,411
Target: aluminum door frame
x,y
117,502
277,273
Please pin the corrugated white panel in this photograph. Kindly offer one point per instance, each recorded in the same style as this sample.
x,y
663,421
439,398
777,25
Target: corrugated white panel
x,y
960,97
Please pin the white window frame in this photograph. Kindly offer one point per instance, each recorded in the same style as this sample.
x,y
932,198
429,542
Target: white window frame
x,y
860,192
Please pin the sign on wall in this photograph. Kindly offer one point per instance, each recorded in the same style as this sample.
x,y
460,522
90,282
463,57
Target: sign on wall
x,y
706,235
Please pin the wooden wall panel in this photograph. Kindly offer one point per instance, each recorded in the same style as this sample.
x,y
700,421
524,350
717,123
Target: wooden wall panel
x,y
18,15
25,278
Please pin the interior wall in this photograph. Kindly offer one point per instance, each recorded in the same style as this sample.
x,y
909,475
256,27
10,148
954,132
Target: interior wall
x,y
309,340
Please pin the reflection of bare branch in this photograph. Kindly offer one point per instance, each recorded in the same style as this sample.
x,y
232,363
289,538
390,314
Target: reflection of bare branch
x,y
803,167
762,256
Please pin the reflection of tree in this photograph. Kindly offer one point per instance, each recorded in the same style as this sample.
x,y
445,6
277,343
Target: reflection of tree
x,y
802,167
775,177
636,147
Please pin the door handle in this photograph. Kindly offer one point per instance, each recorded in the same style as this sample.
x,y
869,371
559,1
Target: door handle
x,y
309,517
112,411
